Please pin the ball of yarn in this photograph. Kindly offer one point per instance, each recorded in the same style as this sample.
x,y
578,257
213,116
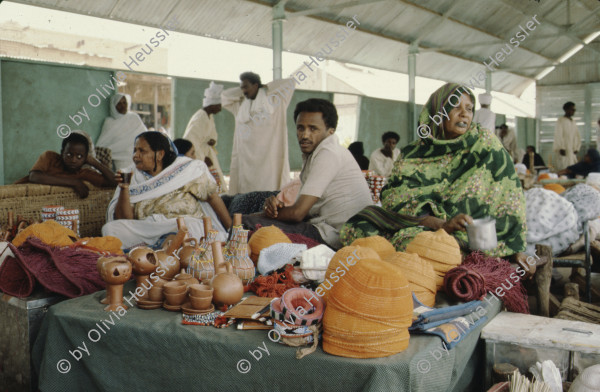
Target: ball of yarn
x,y
419,273
438,248
379,244
340,263
555,187
265,237
368,312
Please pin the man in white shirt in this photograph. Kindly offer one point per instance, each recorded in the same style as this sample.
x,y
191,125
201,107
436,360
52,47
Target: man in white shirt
x,y
509,140
333,186
567,140
259,160
382,159
485,116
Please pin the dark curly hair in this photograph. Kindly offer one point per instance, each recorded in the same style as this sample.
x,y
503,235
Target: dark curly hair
x,y
317,105
159,142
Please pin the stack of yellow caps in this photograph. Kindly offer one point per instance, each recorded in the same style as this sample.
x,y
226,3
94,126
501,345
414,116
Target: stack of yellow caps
x,y
438,248
368,312
340,263
420,275
379,244
265,237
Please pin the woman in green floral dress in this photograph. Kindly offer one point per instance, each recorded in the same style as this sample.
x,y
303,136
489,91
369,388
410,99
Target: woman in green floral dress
x,y
453,173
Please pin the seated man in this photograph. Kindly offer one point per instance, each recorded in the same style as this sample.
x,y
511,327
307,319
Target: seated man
x,y
382,159
65,169
333,187
589,164
532,159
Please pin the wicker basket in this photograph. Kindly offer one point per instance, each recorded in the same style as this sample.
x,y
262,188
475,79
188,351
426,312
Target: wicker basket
x,y
27,200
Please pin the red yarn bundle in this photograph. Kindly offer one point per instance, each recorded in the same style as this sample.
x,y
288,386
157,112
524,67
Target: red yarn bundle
x,y
480,274
273,285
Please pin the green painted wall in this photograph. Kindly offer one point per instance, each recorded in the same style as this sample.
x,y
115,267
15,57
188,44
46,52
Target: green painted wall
x,y
188,99
378,116
525,132
36,98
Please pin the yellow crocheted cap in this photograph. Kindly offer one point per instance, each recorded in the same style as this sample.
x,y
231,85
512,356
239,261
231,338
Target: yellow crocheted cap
x,y
265,237
438,248
555,187
379,244
420,274
340,263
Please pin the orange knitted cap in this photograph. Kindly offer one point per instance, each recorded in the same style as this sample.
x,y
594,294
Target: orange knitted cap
x,y
340,263
369,312
420,274
555,187
265,237
379,244
438,248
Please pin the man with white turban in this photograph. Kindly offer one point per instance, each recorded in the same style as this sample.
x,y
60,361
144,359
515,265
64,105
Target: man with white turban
x,y
119,131
202,132
259,160
485,116
567,140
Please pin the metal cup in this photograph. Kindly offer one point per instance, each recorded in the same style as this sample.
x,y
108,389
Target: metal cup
x,y
482,234
126,175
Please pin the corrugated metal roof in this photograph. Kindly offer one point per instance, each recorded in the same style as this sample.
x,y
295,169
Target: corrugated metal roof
x,y
454,36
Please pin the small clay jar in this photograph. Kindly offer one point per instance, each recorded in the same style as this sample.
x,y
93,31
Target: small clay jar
x,y
144,262
228,287
170,264
218,260
187,253
115,273
186,278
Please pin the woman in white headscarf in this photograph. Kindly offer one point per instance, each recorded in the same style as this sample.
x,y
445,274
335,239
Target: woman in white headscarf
x,y
120,129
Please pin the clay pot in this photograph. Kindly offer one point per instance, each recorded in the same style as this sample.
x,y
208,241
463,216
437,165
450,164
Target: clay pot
x,y
219,262
170,264
175,299
99,264
187,253
143,260
156,293
242,264
201,290
115,273
186,278
174,287
228,287
200,303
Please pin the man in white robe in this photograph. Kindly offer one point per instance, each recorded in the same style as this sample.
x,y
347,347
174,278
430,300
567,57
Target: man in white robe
x,y
485,116
509,140
202,132
382,159
119,131
567,140
259,160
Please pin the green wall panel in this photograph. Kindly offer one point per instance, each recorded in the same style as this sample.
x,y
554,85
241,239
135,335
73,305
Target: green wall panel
x,y
378,116
188,99
36,99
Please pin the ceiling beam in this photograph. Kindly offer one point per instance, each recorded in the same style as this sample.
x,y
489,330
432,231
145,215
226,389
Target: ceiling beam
x,y
312,11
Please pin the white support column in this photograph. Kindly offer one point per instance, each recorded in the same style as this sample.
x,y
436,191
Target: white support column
x,y
412,106
277,34
488,82
587,118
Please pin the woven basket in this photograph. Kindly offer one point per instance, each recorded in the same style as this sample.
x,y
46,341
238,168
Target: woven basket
x,y
28,200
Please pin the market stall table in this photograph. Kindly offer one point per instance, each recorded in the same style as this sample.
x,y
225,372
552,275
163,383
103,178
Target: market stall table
x,y
150,350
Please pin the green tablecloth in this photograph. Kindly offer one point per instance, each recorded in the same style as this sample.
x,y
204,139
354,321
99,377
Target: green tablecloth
x,y
150,350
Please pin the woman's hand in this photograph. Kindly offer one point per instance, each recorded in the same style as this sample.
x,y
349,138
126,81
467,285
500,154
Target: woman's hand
x,y
272,204
458,223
